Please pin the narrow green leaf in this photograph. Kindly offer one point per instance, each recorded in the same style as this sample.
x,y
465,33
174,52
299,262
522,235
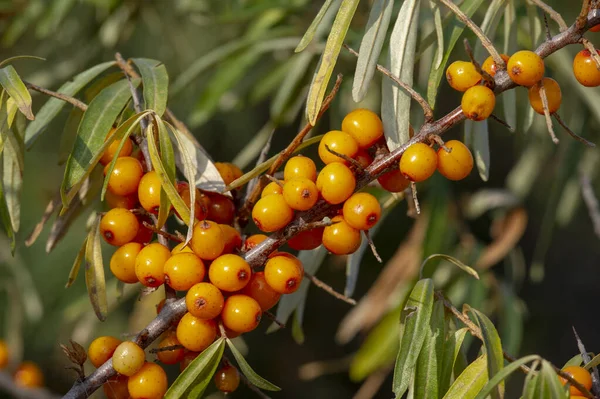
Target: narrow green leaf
x,y
370,47
20,57
312,29
250,374
94,271
468,384
551,382
530,384
163,173
167,157
429,362
435,75
467,269
329,58
94,88
156,83
69,134
439,32
395,103
76,264
414,320
16,89
452,348
574,361
5,218
91,136
192,382
53,106
594,362
12,181
503,374
263,167
493,349
481,148
297,332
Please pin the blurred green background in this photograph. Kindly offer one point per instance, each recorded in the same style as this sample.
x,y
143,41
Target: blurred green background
x,y
234,79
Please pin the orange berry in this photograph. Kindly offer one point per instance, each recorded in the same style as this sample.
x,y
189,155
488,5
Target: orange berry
x,y
340,142
208,240
489,65
300,166
585,70
119,201
229,272
233,239
171,356
525,68
119,226
200,203
241,313
457,164
227,379
4,354
179,248
362,211
122,263
393,181
184,270
113,147
478,103
272,213
144,235
336,182
595,28
363,158
125,177
253,241
261,292
418,162
150,382
284,273
116,387
221,209
300,193
364,126
150,264
188,357
228,171
553,94
128,358
28,375
204,300
149,192
462,75
580,375
101,349
196,334
271,188
307,239
340,238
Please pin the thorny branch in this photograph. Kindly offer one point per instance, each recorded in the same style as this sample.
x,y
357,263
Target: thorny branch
x,y
258,255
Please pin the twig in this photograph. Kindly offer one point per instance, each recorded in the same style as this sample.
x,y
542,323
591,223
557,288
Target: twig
x,y
71,100
328,289
572,133
166,348
593,52
589,197
274,180
372,245
553,14
485,41
346,158
413,190
582,18
547,27
7,384
544,98
502,122
160,232
415,96
274,319
438,140
486,76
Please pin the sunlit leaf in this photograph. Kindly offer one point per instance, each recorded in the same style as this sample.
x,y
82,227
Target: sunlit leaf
x,y
465,268
76,264
192,382
414,320
91,140
312,29
370,47
395,103
20,57
53,106
452,348
16,89
94,272
329,58
156,83
499,378
429,362
250,374
468,384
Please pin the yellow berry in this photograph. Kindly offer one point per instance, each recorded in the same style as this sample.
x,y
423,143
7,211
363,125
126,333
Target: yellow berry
x,y
478,103
150,382
208,240
227,379
340,142
525,68
300,194
119,226
300,166
272,213
101,349
553,95
229,272
362,211
150,264
284,273
205,301
336,182
196,334
340,238
456,164
128,358
184,270
241,313
364,126
419,162
461,75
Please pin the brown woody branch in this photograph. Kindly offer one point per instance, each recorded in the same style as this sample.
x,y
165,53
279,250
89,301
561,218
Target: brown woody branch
x,y
258,255
71,100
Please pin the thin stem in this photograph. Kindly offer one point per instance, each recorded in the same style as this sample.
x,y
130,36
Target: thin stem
x,y
327,288
572,133
544,98
415,96
274,319
438,140
346,158
372,245
486,76
413,189
553,14
502,122
485,41
71,100
274,180
166,348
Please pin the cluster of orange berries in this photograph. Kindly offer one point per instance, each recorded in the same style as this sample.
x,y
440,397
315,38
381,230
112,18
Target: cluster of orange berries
x,y
579,374
27,374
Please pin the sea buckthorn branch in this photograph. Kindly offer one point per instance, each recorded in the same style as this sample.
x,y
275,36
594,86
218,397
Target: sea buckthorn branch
x,y
327,288
8,385
71,100
257,256
582,18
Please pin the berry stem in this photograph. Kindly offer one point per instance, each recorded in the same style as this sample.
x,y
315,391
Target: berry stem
x,y
346,158
572,133
593,52
544,98
162,233
502,122
327,288
372,245
273,318
274,180
413,189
